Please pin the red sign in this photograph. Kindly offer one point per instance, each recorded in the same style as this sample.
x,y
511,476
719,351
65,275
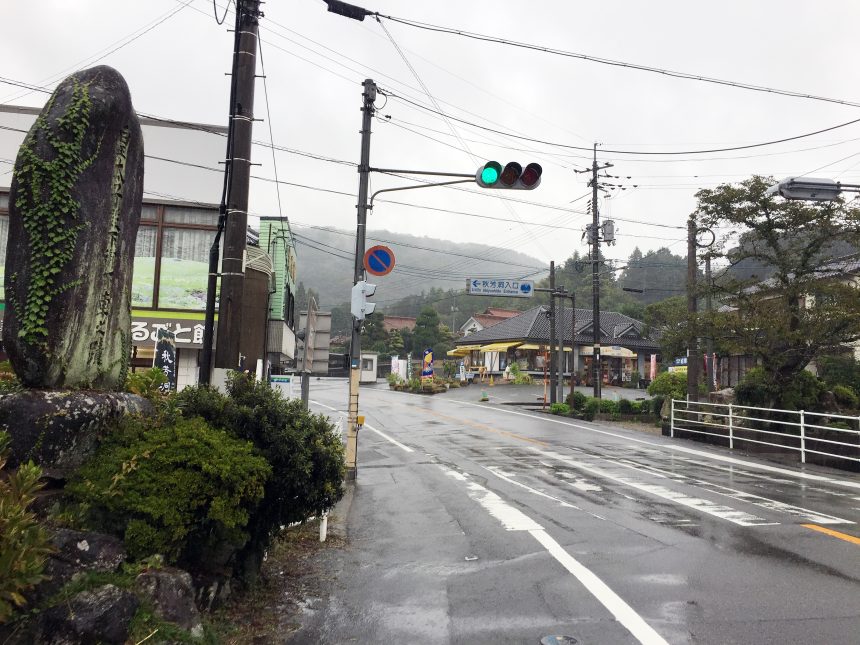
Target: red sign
x,y
379,260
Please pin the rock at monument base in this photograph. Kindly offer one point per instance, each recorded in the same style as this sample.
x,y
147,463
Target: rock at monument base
x,y
171,593
102,615
59,430
74,211
79,552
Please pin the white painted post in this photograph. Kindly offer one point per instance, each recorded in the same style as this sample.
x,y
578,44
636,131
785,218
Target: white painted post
x,y
324,526
802,438
731,430
672,420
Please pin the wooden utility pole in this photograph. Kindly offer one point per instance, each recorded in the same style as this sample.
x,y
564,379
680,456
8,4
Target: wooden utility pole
x,y
552,335
236,212
368,97
693,354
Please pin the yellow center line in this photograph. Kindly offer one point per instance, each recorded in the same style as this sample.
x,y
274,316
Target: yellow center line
x,y
486,428
842,536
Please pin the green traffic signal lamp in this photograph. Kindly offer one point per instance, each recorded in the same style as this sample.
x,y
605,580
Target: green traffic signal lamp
x,y
491,175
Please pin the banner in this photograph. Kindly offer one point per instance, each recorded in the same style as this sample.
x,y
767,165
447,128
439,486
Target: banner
x,y
653,366
165,358
427,364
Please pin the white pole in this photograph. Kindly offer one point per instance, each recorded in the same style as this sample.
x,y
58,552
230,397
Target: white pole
x,y
324,527
731,433
802,439
672,420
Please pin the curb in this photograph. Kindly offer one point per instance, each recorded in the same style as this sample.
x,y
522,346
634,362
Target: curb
x,y
338,516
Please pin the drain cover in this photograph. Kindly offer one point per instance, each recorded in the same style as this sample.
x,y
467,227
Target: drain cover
x,y
558,639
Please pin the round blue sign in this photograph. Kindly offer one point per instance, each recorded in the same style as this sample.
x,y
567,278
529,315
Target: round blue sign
x,y
379,260
525,288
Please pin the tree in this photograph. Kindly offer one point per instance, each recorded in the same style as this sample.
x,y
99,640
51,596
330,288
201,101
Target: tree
x,y
670,319
804,308
428,333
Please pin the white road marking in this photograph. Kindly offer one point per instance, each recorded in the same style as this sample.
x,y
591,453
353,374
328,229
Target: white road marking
x,y
702,505
323,405
515,520
772,504
750,498
385,436
534,491
692,451
369,427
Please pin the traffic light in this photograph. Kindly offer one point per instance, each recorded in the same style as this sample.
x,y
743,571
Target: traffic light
x,y
512,176
360,307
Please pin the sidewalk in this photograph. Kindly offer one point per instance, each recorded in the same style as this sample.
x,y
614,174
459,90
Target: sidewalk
x,y
389,582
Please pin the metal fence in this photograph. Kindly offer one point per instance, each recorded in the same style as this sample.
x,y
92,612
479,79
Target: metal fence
x,y
816,435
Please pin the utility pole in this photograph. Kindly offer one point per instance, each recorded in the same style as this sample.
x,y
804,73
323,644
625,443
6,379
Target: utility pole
x,y
552,335
709,343
368,97
234,209
241,87
560,293
595,273
693,357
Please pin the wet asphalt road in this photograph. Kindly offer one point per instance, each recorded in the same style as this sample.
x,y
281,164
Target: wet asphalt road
x,y
483,523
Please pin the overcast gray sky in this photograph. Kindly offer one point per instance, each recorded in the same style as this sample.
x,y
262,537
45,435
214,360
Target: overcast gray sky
x,y
315,62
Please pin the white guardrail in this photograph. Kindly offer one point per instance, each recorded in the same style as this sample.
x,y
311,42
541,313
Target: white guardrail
x,y
797,430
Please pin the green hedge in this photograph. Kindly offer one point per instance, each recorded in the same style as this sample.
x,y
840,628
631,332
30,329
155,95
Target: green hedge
x,y
304,450
173,486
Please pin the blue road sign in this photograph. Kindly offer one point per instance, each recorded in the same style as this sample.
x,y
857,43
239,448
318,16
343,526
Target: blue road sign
x,y
379,260
500,287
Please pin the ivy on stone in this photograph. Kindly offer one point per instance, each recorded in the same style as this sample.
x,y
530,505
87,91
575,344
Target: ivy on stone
x,y
49,210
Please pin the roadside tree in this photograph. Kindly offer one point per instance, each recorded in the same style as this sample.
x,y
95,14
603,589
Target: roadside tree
x,y
786,300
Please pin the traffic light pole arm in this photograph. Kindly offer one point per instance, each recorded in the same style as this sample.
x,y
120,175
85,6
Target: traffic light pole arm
x,y
441,183
397,171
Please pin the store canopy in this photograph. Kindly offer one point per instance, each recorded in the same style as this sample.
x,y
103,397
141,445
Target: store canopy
x,y
608,350
542,348
463,350
500,347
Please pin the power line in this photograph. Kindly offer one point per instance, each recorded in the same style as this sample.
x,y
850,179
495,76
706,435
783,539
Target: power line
x,y
633,152
96,57
614,63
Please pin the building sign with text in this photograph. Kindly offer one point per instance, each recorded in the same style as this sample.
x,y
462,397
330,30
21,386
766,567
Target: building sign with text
x,y
188,332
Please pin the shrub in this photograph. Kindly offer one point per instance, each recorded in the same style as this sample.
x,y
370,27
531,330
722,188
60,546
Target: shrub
x,y
839,370
591,407
393,378
672,384
625,406
24,544
559,408
635,407
180,488
304,450
657,405
845,396
758,389
518,376
8,381
147,384
576,400
607,406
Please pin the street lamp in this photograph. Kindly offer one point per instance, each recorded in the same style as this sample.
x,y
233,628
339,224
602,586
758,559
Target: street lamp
x,y
810,189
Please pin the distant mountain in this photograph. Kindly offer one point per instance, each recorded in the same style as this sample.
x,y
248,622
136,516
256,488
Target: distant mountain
x,y
325,263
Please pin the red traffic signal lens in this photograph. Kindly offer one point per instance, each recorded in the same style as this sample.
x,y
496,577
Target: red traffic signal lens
x,y
511,173
531,175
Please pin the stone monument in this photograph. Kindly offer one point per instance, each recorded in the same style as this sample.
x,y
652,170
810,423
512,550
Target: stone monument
x,y
74,210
